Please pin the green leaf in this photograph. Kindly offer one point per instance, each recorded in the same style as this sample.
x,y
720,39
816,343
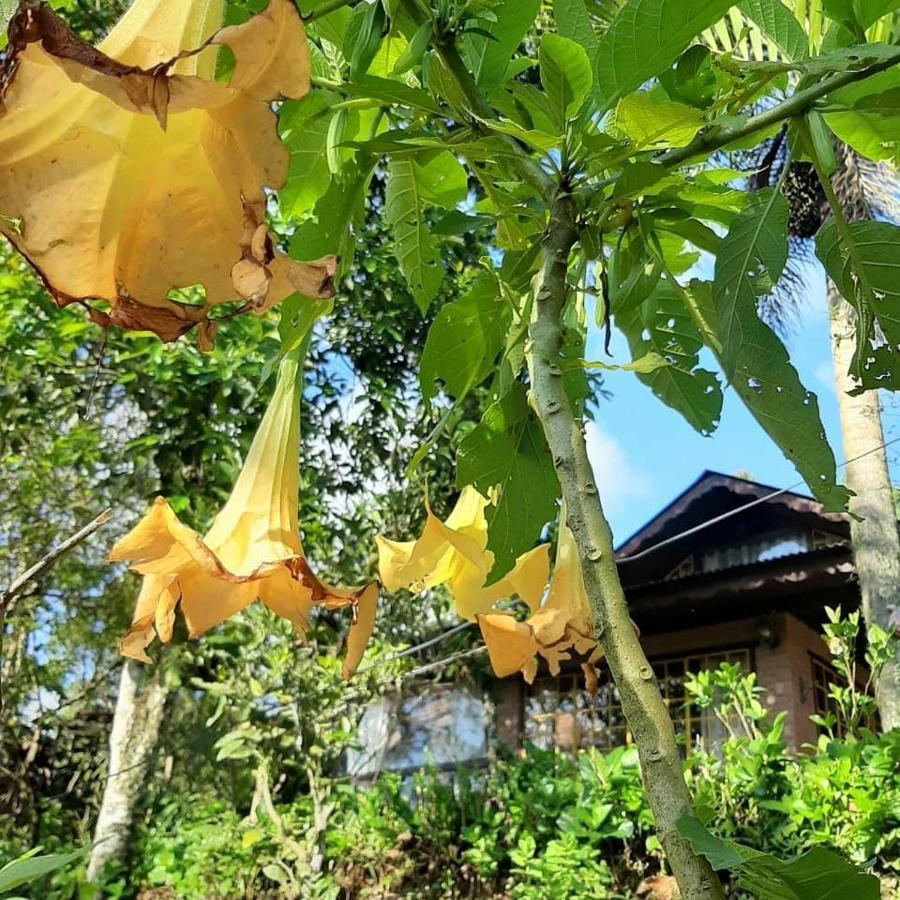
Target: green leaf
x,y
750,261
364,33
871,125
693,80
303,128
780,25
867,273
633,274
818,874
507,451
719,854
417,251
488,57
442,84
464,340
573,21
331,229
397,93
643,365
565,75
645,37
443,180
858,13
653,125
29,868
756,363
661,325
415,49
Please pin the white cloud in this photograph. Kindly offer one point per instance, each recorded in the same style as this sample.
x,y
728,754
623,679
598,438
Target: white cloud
x,y
824,374
620,484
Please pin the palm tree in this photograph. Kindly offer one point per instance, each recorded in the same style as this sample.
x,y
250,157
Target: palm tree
x,y
865,191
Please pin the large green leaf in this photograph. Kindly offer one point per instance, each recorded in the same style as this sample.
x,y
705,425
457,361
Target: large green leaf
x,y
861,13
866,270
818,874
464,340
646,37
779,24
417,251
488,57
508,452
653,125
443,179
29,868
770,388
751,259
663,326
756,363
573,21
566,76
871,124
303,128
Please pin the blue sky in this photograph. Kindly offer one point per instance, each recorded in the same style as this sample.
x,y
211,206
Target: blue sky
x,y
645,454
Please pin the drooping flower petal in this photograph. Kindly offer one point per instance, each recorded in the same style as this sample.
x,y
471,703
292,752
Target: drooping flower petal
x,y
127,171
561,627
251,552
455,553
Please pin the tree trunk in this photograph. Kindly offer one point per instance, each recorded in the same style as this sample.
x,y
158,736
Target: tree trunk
x,y
135,729
876,545
646,713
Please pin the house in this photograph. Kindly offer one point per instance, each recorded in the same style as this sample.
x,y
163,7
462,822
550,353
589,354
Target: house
x,y
729,571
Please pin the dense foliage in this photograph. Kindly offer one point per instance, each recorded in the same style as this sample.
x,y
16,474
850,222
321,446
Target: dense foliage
x,y
529,826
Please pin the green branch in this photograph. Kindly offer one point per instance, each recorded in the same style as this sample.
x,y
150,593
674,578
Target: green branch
x,y
646,713
715,137
326,7
445,46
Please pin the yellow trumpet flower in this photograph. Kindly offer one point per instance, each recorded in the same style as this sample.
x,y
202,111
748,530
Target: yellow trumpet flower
x,y
127,170
559,627
252,551
455,553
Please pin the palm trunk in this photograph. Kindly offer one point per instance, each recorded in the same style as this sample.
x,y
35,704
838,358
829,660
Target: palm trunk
x,y
135,729
876,544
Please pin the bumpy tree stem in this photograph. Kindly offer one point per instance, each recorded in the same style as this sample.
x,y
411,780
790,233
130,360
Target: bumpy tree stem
x,y
642,703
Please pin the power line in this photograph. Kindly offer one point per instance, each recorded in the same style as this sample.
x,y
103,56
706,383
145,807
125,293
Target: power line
x,y
727,515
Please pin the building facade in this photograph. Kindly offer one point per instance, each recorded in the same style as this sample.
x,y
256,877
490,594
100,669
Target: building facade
x,y
730,571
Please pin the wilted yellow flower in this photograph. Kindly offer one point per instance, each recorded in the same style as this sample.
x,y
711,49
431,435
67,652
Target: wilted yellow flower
x,y
559,627
126,170
455,553
252,551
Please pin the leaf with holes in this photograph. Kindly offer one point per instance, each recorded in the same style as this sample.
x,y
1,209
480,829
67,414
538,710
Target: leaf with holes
x,y
866,270
761,374
417,250
663,326
507,452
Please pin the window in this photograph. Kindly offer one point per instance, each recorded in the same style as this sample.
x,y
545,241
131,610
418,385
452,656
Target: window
x,y
773,546
560,714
